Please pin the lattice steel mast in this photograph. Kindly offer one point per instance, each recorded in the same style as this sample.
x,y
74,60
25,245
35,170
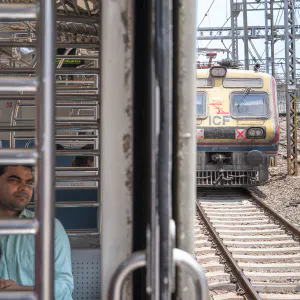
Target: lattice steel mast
x,y
235,10
290,88
246,48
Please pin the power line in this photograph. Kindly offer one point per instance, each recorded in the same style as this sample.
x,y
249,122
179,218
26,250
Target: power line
x,y
217,33
206,13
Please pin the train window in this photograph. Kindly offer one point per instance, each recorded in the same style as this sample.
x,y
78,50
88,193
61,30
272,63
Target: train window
x,y
249,105
201,104
205,83
243,82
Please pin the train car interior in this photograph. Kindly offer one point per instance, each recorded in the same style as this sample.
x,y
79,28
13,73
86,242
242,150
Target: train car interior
x,y
77,187
86,98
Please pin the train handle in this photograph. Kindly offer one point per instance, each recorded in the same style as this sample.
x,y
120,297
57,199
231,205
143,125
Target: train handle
x,y
138,260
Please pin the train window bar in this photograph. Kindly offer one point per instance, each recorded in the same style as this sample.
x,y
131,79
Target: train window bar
x,y
45,87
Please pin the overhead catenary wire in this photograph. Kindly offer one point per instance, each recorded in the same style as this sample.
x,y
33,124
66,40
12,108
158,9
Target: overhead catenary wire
x,y
217,33
206,14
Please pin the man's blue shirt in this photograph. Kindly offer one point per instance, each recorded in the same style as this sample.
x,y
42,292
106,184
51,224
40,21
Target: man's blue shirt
x,y
18,259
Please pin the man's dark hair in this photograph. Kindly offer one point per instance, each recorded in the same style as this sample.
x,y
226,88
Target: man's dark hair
x,y
83,160
3,168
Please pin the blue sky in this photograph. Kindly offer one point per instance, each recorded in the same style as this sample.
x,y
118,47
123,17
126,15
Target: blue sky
x,y
219,13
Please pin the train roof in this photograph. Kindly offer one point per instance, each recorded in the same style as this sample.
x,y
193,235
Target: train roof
x,y
235,73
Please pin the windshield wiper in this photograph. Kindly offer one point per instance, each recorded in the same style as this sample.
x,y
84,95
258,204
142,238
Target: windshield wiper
x,y
246,93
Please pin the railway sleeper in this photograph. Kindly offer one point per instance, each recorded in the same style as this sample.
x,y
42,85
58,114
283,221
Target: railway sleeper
x,y
258,216
217,276
275,267
245,227
240,222
228,296
251,232
273,276
276,287
234,209
232,214
255,238
279,296
284,258
262,244
263,251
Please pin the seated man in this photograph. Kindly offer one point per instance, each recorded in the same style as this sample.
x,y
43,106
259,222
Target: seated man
x,y
84,161
17,264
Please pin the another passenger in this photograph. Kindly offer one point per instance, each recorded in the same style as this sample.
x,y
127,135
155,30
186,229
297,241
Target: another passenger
x,y
84,161
17,264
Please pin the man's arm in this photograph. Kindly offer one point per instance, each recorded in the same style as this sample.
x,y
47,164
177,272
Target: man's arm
x,y
11,285
63,283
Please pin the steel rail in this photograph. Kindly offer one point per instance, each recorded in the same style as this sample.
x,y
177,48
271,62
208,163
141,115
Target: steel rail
x,y
284,222
242,280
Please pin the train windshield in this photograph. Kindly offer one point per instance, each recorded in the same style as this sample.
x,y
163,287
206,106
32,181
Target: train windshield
x,y
249,105
201,104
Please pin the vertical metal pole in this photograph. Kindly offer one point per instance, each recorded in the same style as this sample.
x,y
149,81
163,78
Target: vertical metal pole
x,y
45,189
98,85
97,145
163,65
184,87
273,53
234,56
266,36
290,86
116,137
246,48
272,37
234,30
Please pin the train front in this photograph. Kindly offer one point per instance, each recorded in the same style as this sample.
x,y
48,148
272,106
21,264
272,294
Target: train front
x,y
237,126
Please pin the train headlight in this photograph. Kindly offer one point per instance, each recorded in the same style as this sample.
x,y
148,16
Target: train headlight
x,y
255,133
218,72
255,158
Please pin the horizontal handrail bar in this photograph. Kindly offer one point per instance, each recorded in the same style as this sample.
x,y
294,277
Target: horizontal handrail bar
x,y
71,204
70,138
66,127
17,12
76,169
78,19
65,71
77,178
18,226
70,105
76,119
78,152
18,156
74,232
17,295
17,84
59,97
75,187
77,57
9,44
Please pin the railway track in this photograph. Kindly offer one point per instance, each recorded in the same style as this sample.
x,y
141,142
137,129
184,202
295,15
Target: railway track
x,y
247,250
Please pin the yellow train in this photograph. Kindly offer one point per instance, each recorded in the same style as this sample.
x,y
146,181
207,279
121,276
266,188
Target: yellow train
x,y
237,126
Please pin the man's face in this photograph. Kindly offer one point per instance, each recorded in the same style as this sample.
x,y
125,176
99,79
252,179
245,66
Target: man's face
x,y
15,188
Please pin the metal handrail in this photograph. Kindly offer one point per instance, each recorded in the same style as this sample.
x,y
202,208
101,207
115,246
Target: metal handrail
x,y
65,71
17,12
63,127
59,97
18,295
70,204
138,260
